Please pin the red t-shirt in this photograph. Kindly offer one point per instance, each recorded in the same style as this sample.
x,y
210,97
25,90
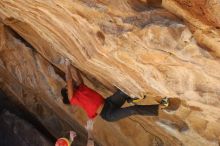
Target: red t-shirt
x,y
88,99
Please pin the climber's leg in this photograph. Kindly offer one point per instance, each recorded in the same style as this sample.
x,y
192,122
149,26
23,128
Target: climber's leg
x,y
112,113
118,98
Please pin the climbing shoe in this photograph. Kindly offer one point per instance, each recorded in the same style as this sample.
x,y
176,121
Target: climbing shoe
x,y
132,100
135,99
164,102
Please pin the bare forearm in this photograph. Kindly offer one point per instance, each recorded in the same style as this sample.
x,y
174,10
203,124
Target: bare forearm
x,y
90,139
76,75
79,77
89,128
69,82
90,136
90,143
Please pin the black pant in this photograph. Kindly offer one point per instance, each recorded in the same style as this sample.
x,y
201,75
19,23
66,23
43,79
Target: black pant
x,y
112,110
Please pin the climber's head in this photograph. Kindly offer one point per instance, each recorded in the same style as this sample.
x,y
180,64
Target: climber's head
x,y
65,96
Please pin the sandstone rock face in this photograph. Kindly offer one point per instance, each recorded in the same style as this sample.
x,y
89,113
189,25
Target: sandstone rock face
x,y
204,20
127,44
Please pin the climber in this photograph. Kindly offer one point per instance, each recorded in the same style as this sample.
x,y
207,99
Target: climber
x,y
77,93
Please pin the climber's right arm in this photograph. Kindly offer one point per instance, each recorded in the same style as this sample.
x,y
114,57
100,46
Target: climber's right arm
x,y
69,81
77,75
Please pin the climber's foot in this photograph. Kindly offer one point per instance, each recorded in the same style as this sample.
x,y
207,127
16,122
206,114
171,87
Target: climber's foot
x,y
135,100
164,102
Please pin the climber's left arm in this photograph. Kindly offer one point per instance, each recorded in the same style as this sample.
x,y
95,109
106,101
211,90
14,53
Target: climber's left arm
x,y
89,128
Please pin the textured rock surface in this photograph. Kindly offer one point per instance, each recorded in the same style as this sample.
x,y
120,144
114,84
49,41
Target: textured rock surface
x,y
19,126
15,131
203,18
124,44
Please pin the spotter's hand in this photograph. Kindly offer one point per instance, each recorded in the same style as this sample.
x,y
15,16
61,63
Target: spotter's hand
x,y
72,135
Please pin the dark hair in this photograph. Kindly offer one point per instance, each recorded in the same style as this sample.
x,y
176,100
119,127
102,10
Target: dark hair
x,y
65,96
